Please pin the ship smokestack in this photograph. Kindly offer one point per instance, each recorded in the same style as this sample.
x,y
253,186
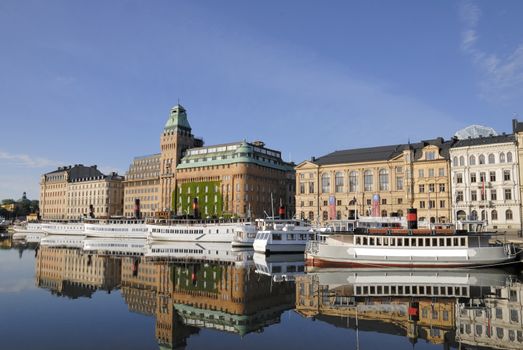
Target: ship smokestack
x,y
137,212
412,218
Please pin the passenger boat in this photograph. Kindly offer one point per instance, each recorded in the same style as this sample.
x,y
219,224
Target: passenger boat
x,y
198,251
116,228
239,232
283,236
65,228
63,241
438,246
115,246
34,237
29,227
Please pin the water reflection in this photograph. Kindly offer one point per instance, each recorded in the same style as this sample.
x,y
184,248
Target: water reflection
x,y
454,307
217,291
188,288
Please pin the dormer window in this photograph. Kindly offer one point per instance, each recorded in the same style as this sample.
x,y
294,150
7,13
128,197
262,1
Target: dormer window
x,y
430,155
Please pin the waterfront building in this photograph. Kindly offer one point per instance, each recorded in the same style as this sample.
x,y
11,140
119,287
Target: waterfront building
x,y
376,181
235,179
176,138
73,192
485,179
142,181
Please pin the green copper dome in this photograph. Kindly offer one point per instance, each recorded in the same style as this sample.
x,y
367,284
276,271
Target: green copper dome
x,y
177,119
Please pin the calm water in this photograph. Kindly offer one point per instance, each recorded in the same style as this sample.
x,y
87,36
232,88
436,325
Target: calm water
x,y
64,298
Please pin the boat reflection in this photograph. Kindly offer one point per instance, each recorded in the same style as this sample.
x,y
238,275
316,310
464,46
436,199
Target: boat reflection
x,y
448,307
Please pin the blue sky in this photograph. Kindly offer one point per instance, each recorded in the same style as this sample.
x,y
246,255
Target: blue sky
x,y
92,82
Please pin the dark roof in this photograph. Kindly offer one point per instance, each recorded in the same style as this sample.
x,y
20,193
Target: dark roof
x,y
82,172
516,126
484,140
382,153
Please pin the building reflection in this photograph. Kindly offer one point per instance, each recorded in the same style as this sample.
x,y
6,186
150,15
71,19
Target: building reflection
x,y
441,307
71,273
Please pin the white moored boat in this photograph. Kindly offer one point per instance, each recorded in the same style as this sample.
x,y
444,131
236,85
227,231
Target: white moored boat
x,y
442,246
30,227
239,232
283,236
116,228
280,267
66,228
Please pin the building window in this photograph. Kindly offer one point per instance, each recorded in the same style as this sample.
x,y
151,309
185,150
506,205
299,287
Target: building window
x,y
491,159
430,155
472,160
302,188
325,183
421,188
459,196
384,180
509,157
442,204
482,177
502,157
367,180
325,215
492,176
442,187
461,161
494,215
422,204
506,175
472,177
311,187
455,161
353,181
431,187
508,194
432,204
400,201
508,214
339,181
481,159
399,183
421,173
431,172
384,201
311,215
473,195
493,195
459,178
441,172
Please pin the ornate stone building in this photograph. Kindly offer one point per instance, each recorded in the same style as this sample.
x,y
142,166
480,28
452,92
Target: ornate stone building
x,y
142,181
71,192
377,181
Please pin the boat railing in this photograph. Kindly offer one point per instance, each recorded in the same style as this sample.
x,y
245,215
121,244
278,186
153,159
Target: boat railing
x,y
197,222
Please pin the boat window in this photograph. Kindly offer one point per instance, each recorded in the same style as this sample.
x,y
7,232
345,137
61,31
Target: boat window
x,y
449,242
420,242
455,241
407,242
378,241
358,240
407,289
429,290
434,242
414,242
276,237
442,242
400,242
290,237
463,241
386,241
365,241
427,242
371,241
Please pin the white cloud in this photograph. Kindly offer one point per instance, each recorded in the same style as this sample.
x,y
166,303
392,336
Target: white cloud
x,y
27,160
502,76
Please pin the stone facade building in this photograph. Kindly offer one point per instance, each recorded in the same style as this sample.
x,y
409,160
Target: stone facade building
x,y
71,192
142,181
485,180
236,179
377,181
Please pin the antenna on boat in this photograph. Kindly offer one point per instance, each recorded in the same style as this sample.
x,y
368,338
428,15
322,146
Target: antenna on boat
x,y
272,206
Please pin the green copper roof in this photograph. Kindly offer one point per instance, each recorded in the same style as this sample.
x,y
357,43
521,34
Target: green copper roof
x,y
177,119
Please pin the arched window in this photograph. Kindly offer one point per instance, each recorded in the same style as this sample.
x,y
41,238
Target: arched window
x,y
483,215
472,160
481,159
455,161
325,215
508,214
502,157
353,181
491,159
494,214
384,180
461,161
338,215
325,183
509,157
339,181
367,180
474,215
311,215
384,213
